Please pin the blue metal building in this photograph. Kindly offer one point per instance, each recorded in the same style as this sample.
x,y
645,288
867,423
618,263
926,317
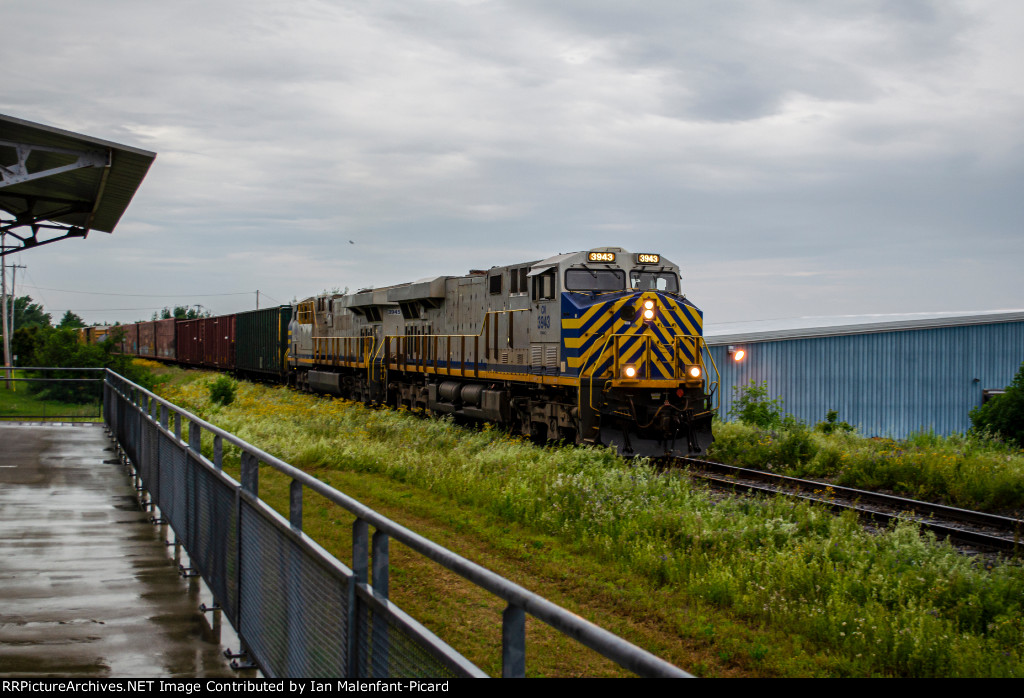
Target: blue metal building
x,y
888,377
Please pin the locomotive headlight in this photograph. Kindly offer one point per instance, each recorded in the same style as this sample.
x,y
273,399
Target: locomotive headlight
x,y
694,371
649,305
648,314
629,372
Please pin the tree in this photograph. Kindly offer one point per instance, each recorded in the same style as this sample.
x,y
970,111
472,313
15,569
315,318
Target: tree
x,y
60,348
1004,414
29,314
752,405
71,321
23,345
183,312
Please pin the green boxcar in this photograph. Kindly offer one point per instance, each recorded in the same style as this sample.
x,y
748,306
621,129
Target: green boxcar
x,y
261,345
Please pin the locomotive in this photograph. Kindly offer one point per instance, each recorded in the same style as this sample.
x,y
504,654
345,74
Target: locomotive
x,y
591,347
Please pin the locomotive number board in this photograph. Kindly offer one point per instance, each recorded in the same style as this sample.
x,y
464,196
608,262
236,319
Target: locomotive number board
x,y
600,256
648,258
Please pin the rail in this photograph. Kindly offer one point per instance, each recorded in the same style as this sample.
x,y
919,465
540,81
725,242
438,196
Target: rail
x,y
297,609
990,531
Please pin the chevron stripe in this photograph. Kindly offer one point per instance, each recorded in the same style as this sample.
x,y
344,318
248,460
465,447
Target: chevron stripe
x,y
589,323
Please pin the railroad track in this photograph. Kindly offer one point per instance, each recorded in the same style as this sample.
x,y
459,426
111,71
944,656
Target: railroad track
x,y
978,531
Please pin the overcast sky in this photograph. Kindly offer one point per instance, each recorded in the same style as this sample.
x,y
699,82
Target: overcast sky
x,y
794,158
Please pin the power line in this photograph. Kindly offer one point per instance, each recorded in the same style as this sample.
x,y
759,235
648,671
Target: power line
x,y
99,310
144,295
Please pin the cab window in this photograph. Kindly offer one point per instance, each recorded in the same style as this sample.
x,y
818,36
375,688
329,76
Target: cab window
x,y
544,286
595,280
640,280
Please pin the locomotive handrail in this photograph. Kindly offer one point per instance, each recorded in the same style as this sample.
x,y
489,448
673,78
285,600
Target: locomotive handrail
x,y
718,376
485,325
333,357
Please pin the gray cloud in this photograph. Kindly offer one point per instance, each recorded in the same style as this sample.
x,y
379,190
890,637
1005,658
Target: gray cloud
x,y
827,144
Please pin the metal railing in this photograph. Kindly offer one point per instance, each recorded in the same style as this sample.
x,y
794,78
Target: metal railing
x,y
31,395
297,609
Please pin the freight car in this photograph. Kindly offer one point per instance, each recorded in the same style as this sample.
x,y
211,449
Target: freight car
x,y
207,342
592,347
156,339
261,343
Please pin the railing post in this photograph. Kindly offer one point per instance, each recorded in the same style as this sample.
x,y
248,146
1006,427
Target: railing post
x,y
360,570
250,474
195,437
218,452
380,563
381,645
513,642
295,505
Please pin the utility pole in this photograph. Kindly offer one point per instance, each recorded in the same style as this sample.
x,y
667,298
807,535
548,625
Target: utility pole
x,y
7,310
14,297
257,299
3,310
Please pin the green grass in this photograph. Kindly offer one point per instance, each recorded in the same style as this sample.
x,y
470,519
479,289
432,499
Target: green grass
x,y
966,471
18,402
719,586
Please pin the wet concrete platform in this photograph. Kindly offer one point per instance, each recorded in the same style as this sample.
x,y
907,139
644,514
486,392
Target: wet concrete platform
x,y
87,586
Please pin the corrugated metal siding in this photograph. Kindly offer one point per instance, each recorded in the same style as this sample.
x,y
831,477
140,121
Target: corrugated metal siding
x,y
886,383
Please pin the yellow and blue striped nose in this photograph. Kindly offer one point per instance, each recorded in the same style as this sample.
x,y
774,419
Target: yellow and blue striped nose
x,y
636,329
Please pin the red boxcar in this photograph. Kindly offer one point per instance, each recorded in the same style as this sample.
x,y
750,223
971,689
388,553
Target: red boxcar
x,y
190,335
207,342
165,339
147,345
129,343
220,342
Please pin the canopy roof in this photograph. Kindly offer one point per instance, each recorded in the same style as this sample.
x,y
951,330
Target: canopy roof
x,y
58,184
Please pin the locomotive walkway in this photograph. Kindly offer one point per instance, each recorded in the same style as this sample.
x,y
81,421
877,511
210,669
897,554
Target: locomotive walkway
x,y
87,587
